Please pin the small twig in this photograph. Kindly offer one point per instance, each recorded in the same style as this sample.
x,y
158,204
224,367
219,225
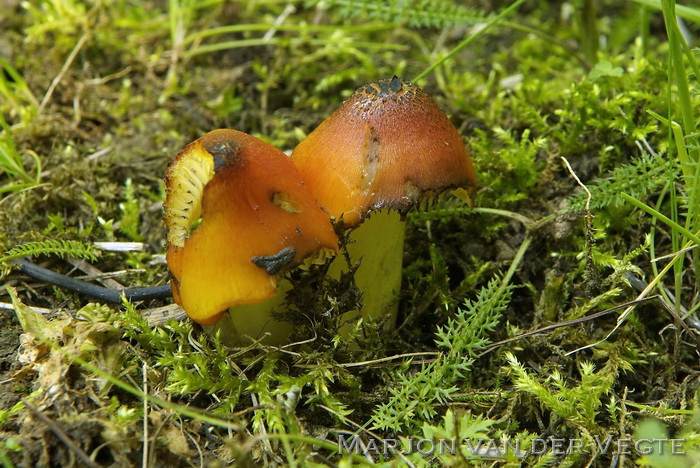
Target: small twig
x,y
152,447
508,214
554,326
581,184
99,153
144,459
289,9
160,315
373,361
8,306
194,442
58,432
673,254
109,275
69,61
302,342
120,246
106,79
89,269
591,272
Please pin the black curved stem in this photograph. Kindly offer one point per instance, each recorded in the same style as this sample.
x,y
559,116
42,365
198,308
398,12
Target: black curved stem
x,y
87,289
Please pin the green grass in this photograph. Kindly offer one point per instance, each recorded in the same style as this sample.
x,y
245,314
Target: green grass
x,y
13,165
495,340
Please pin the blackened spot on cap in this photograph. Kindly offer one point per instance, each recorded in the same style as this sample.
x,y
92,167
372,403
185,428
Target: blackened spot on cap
x,y
386,88
224,153
274,263
390,87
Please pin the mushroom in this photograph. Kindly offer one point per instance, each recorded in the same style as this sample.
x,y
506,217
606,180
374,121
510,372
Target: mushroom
x,y
386,150
238,216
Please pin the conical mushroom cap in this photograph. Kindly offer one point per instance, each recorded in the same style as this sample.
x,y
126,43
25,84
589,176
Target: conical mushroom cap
x,y
257,220
388,146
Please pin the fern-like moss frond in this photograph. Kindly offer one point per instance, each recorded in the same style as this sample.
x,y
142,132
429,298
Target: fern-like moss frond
x,y
443,211
580,404
464,335
639,178
62,248
417,13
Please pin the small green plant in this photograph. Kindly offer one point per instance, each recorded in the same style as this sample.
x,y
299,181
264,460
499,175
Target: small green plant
x,y
579,405
19,101
126,84
683,204
131,212
61,248
414,396
417,13
12,163
640,177
67,18
473,436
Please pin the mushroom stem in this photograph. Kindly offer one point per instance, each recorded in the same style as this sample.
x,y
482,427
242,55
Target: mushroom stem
x,y
377,244
243,324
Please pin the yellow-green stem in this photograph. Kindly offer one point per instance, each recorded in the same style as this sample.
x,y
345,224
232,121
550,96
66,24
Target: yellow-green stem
x,y
242,324
378,245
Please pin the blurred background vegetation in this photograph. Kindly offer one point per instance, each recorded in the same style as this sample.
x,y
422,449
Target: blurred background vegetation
x,y
581,119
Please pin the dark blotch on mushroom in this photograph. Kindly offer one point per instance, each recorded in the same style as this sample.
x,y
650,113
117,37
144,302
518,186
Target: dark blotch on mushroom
x,y
372,151
390,87
223,152
274,263
385,88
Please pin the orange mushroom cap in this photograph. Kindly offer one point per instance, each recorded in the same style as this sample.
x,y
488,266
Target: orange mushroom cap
x,y
388,146
257,220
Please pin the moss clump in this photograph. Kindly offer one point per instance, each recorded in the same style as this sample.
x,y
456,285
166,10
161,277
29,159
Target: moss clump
x,y
498,336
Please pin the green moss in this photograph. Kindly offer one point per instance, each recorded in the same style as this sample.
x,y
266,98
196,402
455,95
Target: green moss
x,y
85,162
